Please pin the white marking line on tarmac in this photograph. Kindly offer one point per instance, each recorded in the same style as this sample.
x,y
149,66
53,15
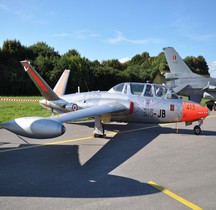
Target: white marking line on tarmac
x,y
174,196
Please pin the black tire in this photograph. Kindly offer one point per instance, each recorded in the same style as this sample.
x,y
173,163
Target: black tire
x,y
99,135
197,130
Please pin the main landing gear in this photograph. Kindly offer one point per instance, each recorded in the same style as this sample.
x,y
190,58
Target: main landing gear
x,y
197,128
98,128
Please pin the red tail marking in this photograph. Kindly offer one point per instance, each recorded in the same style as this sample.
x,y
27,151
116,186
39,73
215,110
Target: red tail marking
x,y
36,78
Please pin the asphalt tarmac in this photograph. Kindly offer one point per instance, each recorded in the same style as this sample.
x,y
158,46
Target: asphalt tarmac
x,y
137,166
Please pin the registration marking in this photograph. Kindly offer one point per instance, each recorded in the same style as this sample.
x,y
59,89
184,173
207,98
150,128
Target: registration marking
x,y
174,196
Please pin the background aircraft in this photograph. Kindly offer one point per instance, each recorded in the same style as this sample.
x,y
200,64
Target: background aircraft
x,y
125,102
187,83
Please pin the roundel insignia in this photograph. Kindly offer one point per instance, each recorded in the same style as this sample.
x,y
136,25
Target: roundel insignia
x,y
74,107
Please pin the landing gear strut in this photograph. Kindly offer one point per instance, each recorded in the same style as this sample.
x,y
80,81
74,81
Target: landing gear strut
x,y
197,128
98,128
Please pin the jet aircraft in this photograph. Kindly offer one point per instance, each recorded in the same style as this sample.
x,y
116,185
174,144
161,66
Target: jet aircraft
x,y
187,83
125,102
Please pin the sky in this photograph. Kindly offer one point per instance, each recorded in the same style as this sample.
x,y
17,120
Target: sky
x,y
113,29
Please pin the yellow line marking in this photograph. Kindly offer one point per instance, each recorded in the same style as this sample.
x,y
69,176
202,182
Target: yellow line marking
x,y
45,144
174,196
139,129
110,134
212,116
66,141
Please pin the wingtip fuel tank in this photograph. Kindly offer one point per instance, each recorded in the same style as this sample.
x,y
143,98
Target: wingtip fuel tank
x,y
35,127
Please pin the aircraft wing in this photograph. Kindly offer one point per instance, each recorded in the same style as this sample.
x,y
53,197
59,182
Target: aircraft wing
x,y
182,90
209,87
90,112
179,88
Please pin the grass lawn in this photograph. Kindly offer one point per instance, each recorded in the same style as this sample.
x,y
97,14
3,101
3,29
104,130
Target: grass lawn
x,y
11,110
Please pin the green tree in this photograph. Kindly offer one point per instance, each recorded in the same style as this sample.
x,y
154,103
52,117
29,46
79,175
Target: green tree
x,y
13,79
197,65
81,73
44,59
132,73
139,58
13,49
84,73
114,63
41,48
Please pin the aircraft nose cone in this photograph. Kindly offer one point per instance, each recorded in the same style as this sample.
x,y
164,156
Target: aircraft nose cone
x,y
193,111
203,111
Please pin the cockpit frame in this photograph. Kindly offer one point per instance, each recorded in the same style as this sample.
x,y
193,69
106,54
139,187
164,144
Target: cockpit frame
x,y
145,89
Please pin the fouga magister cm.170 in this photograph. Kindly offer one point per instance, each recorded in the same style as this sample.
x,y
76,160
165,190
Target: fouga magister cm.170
x,y
125,102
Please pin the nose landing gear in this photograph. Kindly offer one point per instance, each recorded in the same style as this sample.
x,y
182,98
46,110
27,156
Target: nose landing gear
x,y
197,128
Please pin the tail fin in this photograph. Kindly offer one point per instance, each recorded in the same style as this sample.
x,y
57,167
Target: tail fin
x,y
60,87
42,86
175,62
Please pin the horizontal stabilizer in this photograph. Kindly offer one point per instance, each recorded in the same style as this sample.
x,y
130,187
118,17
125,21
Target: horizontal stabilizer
x,y
180,88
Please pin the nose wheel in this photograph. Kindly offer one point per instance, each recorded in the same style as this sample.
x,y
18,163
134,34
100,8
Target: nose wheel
x,y
197,130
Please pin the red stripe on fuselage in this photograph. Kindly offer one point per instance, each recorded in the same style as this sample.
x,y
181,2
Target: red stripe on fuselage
x,y
131,106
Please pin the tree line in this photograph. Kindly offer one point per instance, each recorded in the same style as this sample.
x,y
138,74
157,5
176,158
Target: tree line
x,y
89,75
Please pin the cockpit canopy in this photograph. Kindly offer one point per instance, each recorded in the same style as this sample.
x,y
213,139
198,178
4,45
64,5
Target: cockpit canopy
x,y
144,89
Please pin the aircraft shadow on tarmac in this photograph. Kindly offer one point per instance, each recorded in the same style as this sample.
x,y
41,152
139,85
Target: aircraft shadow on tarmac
x,y
55,170
134,127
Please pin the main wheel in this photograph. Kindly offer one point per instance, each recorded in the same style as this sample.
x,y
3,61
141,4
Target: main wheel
x,y
99,135
197,130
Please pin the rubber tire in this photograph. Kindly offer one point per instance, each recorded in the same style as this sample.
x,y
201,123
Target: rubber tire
x,y
197,130
99,135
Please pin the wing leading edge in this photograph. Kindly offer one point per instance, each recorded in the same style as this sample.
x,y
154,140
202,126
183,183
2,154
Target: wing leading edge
x,y
90,112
